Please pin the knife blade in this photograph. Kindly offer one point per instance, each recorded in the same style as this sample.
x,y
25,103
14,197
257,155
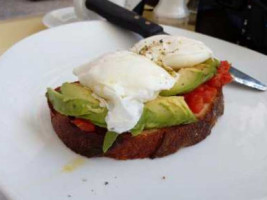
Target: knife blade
x,y
131,21
244,79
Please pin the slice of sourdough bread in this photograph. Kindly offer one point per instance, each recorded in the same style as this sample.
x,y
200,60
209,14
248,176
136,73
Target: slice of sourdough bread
x,y
150,143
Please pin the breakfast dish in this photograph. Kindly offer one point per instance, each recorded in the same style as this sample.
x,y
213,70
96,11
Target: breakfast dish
x,y
163,94
231,161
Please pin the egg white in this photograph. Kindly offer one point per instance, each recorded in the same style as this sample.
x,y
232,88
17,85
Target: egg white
x,y
124,81
173,51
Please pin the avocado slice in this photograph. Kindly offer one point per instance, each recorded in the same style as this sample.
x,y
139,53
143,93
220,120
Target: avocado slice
x,y
76,90
76,100
78,107
164,112
190,78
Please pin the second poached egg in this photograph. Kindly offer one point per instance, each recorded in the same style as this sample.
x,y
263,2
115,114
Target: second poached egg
x,y
173,51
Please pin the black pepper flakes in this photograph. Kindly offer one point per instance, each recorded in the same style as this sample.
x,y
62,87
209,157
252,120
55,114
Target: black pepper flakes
x,y
143,50
106,183
69,195
161,41
163,177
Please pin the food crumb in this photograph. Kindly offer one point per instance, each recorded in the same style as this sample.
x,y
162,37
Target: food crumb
x,y
106,183
84,180
163,177
69,195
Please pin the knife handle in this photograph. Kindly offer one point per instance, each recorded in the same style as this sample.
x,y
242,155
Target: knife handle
x,y
123,17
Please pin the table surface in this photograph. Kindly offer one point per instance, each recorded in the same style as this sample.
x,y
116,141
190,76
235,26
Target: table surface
x,y
11,31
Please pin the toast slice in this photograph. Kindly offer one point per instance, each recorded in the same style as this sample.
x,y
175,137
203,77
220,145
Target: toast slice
x,y
150,143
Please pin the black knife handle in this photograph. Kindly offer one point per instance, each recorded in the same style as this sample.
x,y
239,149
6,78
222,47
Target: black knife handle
x,y
123,17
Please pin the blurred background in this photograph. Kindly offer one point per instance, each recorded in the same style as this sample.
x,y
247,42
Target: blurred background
x,y
19,8
243,22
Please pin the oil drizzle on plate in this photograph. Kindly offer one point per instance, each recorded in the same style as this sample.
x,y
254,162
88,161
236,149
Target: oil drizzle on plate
x,y
73,164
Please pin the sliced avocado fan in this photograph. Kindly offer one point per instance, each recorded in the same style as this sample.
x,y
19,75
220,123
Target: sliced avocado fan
x,y
191,77
78,101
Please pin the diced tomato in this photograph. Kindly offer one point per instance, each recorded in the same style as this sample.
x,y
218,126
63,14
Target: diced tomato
x,y
209,94
224,67
215,82
206,92
199,89
195,103
226,78
84,125
222,76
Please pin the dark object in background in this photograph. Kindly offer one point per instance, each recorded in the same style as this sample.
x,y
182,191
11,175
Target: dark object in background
x,y
139,8
152,3
239,21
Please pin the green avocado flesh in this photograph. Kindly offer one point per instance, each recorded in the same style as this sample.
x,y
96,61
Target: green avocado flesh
x,y
78,101
164,112
191,77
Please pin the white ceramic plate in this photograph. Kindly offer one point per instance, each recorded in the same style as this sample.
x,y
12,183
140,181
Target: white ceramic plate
x,y
60,17
230,164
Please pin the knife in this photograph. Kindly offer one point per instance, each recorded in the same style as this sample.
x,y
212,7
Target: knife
x,y
130,20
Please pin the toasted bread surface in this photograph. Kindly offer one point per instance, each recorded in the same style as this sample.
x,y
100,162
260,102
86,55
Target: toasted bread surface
x,y
150,143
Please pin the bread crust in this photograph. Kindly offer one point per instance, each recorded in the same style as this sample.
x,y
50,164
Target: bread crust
x,y
149,144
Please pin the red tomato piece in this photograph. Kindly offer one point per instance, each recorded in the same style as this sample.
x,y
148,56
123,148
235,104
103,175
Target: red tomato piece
x,y
84,125
196,103
209,94
215,82
226,78
206,92
225,65
201,88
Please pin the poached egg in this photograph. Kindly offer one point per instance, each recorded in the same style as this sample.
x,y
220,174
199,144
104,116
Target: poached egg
x,y
124,81
173,51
